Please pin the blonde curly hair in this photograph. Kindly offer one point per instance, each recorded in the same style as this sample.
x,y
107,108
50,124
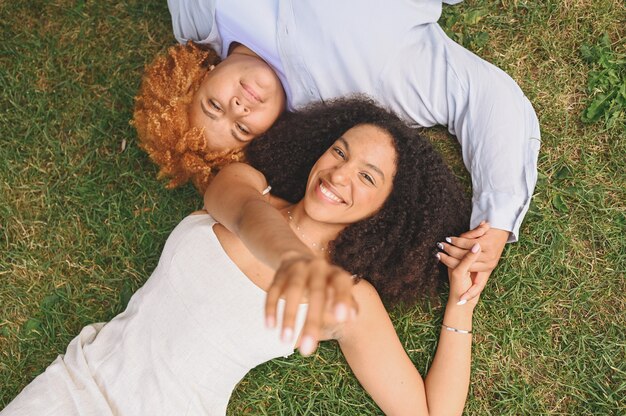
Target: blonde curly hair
x,y
161,118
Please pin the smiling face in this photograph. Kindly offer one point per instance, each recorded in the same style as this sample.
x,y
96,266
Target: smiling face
x,y
238,100
353,178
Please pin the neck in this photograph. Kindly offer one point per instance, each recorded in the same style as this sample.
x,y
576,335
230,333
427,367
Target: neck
x,y
314,234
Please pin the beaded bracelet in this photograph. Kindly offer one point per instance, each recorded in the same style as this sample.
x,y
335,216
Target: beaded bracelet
x,y
451,329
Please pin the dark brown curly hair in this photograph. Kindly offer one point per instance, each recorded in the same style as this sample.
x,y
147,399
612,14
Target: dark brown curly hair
x,y
394,249
161,117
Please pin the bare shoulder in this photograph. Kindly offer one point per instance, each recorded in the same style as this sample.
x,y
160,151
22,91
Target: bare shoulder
x,y
371,313
368,304
236,178
241,170
243,173
365,294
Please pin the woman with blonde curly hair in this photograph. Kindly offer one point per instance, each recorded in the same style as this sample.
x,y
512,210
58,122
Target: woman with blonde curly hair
x,y
193,112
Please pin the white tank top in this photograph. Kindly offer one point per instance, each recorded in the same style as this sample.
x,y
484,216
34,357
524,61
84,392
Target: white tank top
x,y
185,340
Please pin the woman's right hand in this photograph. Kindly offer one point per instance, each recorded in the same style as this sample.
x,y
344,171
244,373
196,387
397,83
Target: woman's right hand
x,y
327,287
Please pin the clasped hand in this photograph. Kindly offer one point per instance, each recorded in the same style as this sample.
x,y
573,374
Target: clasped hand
x,y
492,242
328,289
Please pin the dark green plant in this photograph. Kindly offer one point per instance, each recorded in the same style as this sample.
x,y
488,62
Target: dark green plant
x,y
606,85
462,27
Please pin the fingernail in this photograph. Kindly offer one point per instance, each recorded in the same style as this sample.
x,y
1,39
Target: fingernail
x,y
462,302
440,246
269,322
307,346
475,248
341,312
448,240
438,256
287,335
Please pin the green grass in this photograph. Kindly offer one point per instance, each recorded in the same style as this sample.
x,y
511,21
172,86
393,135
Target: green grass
x,y
82,222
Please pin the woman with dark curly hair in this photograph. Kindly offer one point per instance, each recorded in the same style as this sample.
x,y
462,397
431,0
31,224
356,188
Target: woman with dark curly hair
x,y
357,196
426,203
193,115
195,328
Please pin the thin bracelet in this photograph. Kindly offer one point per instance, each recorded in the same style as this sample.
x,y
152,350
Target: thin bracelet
x,y
460,331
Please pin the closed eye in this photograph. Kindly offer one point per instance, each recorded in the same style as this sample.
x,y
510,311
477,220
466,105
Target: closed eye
x,y
215,105
242,128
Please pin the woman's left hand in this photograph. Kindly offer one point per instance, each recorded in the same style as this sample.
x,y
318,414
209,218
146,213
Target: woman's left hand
x,y
324,284
461,277
492,242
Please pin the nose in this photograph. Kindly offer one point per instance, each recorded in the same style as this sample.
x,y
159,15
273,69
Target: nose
x,y
340,175
238,107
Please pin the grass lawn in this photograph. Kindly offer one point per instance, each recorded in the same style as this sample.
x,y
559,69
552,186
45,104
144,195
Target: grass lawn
x,y
83,218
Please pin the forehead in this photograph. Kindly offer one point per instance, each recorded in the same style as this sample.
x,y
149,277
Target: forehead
x,y
371,144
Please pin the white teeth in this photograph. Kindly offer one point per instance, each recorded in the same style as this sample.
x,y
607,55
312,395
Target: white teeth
x,y
328,193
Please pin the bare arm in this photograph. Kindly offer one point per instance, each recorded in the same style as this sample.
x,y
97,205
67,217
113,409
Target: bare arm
x,y
379,361
234,198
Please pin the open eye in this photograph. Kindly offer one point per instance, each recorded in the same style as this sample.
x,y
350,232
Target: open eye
x,y
366,176
339,152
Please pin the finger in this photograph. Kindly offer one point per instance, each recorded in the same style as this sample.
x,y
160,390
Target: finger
x,y
293,294
314,318
460,242
453,262
451,250
462,269
344,305
271,299
479,284
447,260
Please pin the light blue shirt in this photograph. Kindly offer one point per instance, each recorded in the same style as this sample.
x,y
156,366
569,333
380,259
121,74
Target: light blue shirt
x,y
394,52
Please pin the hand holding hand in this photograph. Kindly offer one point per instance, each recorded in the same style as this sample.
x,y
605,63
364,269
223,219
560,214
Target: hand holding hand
x,y
460,276
325,285
492,242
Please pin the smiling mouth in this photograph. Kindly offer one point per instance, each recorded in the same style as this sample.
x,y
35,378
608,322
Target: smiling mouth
x,y
250,93
330,194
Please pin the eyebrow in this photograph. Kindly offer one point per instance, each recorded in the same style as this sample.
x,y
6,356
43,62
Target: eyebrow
x,y
214,117
369,165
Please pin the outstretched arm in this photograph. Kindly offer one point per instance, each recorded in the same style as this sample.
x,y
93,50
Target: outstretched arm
x,y
376,356
234,198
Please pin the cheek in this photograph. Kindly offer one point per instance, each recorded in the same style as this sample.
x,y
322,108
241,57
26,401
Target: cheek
x,y
195,114
271,114
373,201
261,120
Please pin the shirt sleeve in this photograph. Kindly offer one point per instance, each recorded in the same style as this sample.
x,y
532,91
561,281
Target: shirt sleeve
x,y
195,20
444,83
499,135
